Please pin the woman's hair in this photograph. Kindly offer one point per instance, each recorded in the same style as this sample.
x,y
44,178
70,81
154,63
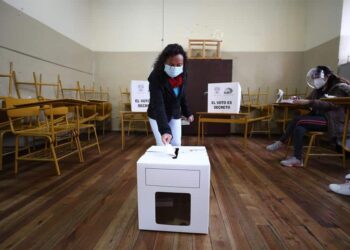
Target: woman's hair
x,y
169,51
332,77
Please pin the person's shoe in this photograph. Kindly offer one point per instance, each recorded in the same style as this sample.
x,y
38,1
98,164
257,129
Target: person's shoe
x,y
292,162
347,177
275,146
343,189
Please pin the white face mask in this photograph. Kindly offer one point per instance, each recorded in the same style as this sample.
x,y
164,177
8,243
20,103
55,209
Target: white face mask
x,y
319,83
173,71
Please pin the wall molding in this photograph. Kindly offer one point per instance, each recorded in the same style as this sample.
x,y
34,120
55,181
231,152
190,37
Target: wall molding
x,y
45,60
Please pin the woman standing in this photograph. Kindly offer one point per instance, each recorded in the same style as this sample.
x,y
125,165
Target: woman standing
x,y
167,85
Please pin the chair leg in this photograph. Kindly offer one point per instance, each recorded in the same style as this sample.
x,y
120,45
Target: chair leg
x,y
53,153
103,128
78,145
251,130
344,157
16,153
308,151
97,142
146,128
245,142
129,128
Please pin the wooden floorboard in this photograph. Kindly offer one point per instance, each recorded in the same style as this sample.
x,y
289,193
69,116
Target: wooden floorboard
x,y
254,202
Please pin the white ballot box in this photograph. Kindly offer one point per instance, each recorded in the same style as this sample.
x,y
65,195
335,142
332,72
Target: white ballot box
x,y
224,97
173,191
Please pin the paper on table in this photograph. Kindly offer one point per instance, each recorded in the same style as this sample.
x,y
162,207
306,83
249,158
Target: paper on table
x,y
290,101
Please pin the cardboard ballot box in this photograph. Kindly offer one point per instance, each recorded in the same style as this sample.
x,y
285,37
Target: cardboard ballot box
x,y
173,192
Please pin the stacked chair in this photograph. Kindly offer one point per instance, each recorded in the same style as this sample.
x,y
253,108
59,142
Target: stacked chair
x,y
4,123
46,128
102,106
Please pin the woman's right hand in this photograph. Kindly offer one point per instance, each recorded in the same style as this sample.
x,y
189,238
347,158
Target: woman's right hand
x,y
166,138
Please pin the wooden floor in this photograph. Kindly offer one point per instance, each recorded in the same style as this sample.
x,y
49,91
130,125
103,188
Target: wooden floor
x,y
255,203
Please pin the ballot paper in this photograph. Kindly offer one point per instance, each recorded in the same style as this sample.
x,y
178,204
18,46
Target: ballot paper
x,y
167,149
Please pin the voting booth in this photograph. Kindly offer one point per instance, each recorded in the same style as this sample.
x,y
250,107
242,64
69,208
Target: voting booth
x,y
173,191
224,97
139,95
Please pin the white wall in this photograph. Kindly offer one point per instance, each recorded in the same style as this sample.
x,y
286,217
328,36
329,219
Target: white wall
x,y
246,25
323,19
34,47
344,47
71,18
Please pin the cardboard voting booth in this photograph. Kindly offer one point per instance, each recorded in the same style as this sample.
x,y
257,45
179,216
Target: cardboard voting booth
x,y
173,191
139,95
224,97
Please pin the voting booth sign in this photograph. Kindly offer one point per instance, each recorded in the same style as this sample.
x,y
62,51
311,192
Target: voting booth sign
x,y
139,95
224,97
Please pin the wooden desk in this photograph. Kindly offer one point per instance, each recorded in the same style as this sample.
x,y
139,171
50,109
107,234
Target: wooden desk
x,y
286,108
345,102
232,118
128,116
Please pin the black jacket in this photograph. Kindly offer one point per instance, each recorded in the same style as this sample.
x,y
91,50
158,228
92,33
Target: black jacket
x,y
334,114
164,104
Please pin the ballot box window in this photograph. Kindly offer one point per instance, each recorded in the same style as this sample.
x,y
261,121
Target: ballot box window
x,y
173,208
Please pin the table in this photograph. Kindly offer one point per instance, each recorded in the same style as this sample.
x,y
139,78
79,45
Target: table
x,y
232,118
129,116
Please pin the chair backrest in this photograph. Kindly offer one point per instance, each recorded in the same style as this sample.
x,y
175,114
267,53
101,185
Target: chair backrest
x,y
25,117
73,92
18,85
40,85
255,98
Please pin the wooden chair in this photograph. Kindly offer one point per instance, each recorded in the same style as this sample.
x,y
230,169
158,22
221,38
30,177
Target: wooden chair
x,y
40,85
18,84
125,103
258,105
30,126
72,92
313,135
60,115
102,107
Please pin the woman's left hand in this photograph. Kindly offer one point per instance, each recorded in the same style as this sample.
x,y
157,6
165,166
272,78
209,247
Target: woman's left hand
x,y
190,118
301,101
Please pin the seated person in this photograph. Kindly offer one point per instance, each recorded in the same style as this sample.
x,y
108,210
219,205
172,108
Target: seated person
x,y
324,116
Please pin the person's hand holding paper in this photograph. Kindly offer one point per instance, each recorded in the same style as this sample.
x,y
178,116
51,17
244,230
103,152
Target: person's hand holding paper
x,y
166,138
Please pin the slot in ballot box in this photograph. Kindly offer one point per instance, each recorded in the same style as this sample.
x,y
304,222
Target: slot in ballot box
x,y
173,192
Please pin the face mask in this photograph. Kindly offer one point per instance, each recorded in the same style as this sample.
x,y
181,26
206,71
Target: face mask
x,y
173,71
319,83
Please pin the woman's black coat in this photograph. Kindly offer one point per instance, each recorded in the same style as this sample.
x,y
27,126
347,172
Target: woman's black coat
x,y
164,104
